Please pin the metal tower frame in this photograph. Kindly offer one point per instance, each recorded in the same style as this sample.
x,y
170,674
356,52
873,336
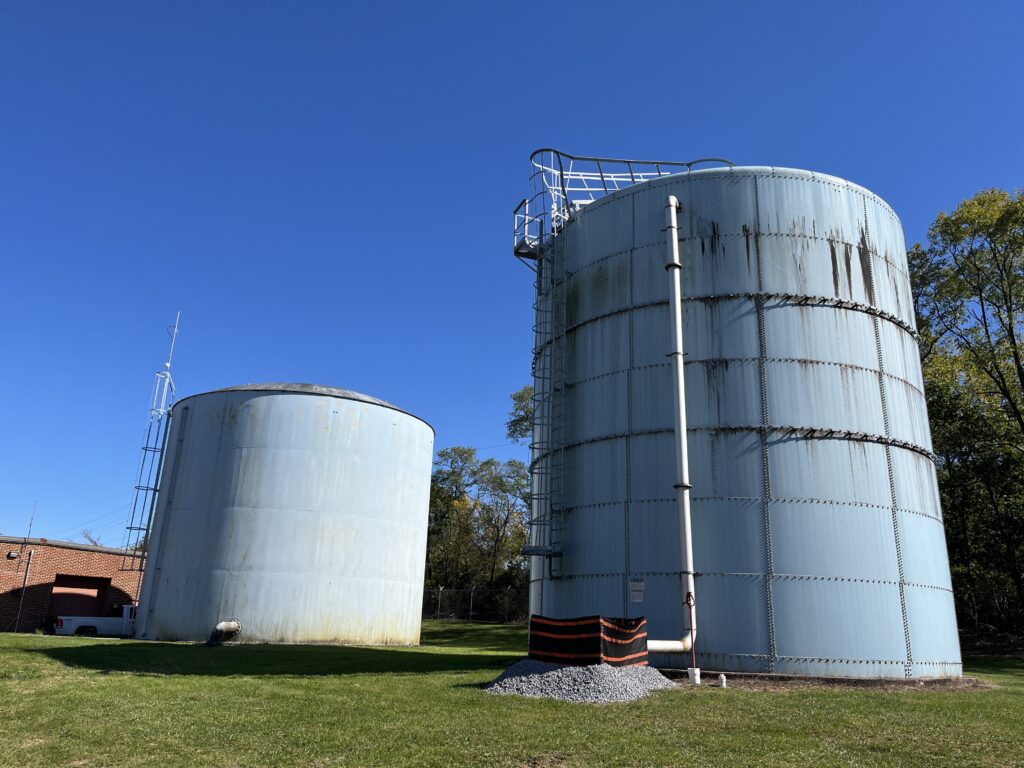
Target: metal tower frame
x,y
147,478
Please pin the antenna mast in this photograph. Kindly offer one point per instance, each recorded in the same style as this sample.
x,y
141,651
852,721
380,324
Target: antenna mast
x,y
147,481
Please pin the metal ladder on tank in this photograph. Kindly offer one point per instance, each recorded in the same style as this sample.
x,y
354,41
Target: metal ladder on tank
x,y
147,479
548,403
561,185
559,394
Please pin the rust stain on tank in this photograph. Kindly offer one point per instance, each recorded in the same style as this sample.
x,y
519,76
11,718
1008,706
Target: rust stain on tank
x,y
864,253
572,301
835,265
746,243
848,259
714,377
895,282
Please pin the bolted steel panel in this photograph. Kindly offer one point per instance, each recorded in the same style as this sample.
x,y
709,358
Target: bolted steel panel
x,y
816,520
299,511
840,540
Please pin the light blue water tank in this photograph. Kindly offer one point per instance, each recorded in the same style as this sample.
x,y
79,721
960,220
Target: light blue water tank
x,y
298,510
818,534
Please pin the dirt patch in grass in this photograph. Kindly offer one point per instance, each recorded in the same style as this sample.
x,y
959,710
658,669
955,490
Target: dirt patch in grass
x,y
546,761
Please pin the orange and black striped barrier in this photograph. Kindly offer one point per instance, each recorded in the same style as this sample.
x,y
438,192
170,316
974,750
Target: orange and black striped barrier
x,y
589,640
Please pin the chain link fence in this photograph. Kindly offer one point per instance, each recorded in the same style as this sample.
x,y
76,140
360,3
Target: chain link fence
x,y
503,606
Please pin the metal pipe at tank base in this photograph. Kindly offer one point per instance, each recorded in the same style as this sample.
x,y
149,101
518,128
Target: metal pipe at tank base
x,y
668,646
682,486
225,630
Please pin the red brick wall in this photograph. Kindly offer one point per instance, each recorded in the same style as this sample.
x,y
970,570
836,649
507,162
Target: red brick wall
x,y
50,558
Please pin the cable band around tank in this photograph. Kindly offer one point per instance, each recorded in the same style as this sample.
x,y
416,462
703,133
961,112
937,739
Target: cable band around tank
x,y
797,299
812,433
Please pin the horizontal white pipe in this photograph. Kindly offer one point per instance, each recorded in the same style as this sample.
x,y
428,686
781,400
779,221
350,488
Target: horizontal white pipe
x,y
669,646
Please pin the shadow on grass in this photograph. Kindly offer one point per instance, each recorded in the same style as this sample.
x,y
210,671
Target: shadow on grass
x,y
484,648
994,665
501,638
261,660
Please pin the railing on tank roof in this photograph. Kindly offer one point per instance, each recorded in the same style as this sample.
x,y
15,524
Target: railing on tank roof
x,y
562,184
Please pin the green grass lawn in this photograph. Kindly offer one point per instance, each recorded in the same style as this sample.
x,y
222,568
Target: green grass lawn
x,y
89,702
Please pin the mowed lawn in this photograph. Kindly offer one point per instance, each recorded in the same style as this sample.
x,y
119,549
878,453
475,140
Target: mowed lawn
x,y
89,702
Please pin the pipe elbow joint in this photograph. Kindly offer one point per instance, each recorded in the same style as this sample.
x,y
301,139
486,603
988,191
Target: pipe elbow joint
x,y
683,645
225,630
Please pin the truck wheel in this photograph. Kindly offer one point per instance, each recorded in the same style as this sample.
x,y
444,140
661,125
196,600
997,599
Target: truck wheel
x,y
86,631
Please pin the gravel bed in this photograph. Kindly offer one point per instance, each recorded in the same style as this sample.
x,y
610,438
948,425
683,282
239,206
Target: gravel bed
x,y
595,684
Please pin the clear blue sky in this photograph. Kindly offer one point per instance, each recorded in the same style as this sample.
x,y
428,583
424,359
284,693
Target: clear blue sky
x,y
324,190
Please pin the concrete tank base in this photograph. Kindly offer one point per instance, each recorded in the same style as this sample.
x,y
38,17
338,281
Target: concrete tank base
x,y
766,681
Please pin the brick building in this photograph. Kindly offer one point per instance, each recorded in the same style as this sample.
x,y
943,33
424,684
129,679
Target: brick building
x,y
64,578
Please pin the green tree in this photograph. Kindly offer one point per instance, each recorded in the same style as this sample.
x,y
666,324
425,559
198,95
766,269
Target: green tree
x,y
519,427
503,500
477,521
451,559
970,283
969,297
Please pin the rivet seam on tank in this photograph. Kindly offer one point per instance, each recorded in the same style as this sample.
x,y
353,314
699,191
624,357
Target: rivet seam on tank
x,y
753,575
750,361
776,500
706,655
766,476
908,669
839,184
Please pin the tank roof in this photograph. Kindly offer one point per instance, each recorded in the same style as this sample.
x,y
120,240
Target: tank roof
x,y
308,389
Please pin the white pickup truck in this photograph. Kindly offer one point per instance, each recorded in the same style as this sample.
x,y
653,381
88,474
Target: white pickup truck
x,y
98,626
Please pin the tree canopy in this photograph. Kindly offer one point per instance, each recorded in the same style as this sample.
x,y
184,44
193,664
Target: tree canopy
x,y
477,522
969,296
519,426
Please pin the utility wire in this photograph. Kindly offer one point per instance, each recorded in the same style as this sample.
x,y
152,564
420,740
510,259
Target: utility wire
x,y
85,523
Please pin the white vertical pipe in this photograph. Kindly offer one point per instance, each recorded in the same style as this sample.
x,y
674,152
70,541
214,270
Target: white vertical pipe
x,y
682,485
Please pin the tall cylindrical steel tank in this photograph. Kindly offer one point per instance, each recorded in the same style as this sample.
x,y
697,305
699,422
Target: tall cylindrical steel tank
x,y
298,510
818,535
